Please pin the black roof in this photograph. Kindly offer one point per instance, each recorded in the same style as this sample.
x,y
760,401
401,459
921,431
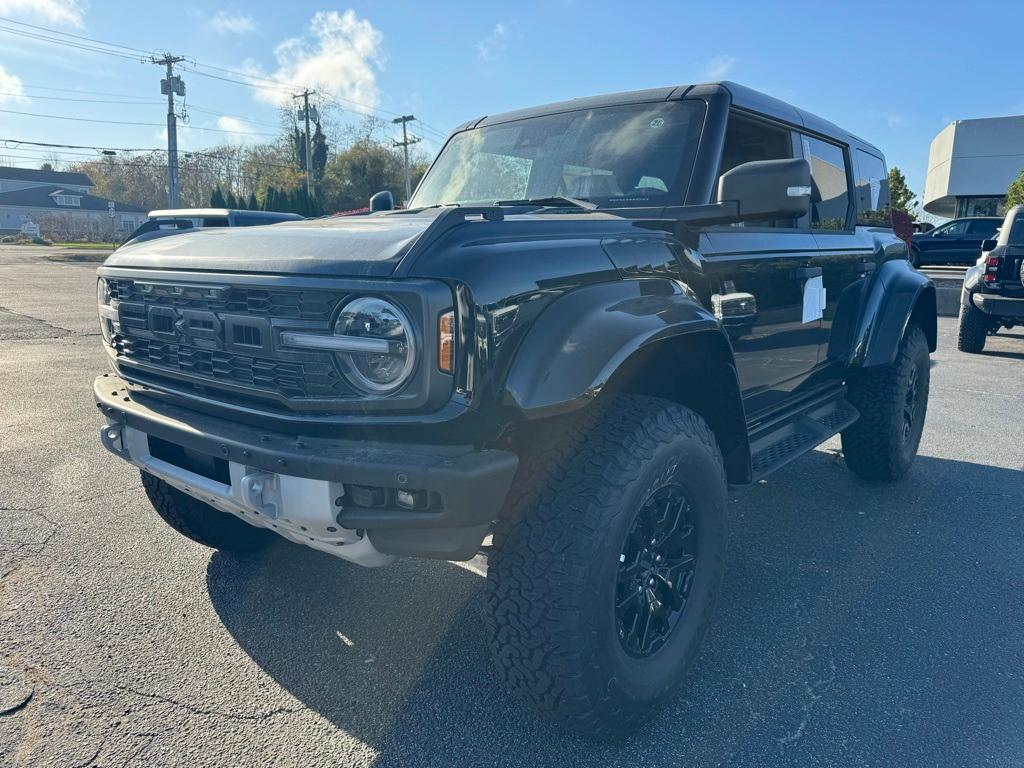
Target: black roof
x,y
49,177
741,96
41,197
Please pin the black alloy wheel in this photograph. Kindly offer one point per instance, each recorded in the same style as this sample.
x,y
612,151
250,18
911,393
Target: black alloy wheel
x,y
656,568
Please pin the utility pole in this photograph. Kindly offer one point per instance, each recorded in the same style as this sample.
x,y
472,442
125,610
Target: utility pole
x,y
404,144
305,115
171,85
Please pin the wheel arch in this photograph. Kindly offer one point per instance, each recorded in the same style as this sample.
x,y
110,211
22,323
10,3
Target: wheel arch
x,y
897,296
648,337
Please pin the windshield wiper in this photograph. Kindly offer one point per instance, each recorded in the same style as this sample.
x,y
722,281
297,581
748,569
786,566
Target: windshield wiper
x,y
552,201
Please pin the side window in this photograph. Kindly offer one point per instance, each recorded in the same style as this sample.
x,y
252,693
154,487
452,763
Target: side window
x,y
748,139
830,188
872,191
983,227
954,228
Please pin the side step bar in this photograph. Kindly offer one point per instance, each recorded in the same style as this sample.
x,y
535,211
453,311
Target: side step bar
x,y
779,444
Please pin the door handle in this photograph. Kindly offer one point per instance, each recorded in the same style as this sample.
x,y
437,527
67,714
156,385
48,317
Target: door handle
x,y
806,273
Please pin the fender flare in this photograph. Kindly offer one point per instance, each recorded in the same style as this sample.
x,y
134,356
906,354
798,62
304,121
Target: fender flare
x,y
580,340
897,293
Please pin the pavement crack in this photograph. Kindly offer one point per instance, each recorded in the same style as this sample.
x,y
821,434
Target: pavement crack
x,y
191,709
63,331
813,693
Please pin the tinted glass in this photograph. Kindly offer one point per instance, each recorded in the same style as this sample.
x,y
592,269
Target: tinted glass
x,y
635,155
952,229
872,189
830,196
748,140
984,227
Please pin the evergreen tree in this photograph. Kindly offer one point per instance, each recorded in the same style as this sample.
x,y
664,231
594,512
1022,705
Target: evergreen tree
x,y
319,153
251,205
217,198
899,193
230,200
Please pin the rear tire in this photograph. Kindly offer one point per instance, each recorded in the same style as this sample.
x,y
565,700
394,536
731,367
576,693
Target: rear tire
x,y
893,403
201,522
973,329
602,546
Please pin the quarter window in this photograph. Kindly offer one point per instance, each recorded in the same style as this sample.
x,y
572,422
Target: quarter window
x,y
984,227
872,191
830,188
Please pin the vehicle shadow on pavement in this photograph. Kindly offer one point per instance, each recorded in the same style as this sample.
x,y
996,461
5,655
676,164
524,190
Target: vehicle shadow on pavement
x,y
855,626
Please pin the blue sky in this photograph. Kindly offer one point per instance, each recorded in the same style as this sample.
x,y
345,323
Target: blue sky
x,y
889,72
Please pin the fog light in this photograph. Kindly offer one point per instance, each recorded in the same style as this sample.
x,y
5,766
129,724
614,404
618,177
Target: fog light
x,y
412,499
366,496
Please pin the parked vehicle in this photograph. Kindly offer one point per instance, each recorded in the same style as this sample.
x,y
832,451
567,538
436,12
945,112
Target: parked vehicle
x,y
955,242
993,292
174,221
593,316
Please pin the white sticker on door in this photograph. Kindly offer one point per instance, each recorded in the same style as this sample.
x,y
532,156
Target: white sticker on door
x,y
814,300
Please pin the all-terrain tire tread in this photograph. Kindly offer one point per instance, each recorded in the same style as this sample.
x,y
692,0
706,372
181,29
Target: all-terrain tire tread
x,y
972,330
871,446
572,492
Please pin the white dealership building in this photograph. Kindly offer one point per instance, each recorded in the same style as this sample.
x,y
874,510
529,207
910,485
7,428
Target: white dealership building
x,y
970,165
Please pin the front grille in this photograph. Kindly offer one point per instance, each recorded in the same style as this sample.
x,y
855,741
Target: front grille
x,y
215,336
290,380
262,302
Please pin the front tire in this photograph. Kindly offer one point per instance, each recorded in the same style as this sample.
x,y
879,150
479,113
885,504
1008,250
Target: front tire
x,y
602,588
893,403
201,522
972,330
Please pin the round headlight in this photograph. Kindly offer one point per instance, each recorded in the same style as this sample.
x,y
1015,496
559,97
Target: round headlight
x,y
103,299
390,355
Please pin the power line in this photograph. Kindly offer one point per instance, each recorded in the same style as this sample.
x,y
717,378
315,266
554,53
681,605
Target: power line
x,y
129,122
77,37
68,43
80,101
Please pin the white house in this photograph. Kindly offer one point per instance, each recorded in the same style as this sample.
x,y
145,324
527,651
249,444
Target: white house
x,y
61,205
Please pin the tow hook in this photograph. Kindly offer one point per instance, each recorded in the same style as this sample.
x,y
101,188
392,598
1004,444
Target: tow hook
x,y
262,491
112,437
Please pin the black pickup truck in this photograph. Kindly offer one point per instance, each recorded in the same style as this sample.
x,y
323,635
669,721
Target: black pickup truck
x,y
592,317
993,292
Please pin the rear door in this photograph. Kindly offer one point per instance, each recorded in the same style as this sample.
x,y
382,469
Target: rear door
x,y
841,224
757,272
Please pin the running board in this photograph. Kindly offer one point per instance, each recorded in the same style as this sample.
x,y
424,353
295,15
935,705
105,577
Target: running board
x,y
806,430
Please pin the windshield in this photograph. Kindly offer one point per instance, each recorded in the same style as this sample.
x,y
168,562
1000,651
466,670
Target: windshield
x,y
635,155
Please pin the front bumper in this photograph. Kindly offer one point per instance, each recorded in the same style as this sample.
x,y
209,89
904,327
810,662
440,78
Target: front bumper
x,y
303,487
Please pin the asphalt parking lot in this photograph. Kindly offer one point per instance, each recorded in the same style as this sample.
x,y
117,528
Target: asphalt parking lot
x,y
860,624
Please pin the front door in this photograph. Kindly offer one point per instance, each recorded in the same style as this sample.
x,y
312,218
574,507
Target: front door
x,y
758,281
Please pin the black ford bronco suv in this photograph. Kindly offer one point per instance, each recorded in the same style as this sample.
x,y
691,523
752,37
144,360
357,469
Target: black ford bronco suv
x,y
993,292
593,317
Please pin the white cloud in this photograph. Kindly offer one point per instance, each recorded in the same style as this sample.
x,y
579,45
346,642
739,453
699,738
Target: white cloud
x,y
340,56
57,12
239,131
494,44
719,67
11,91
224,23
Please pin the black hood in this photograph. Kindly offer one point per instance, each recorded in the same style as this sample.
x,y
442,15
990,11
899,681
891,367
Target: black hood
x,y
356,246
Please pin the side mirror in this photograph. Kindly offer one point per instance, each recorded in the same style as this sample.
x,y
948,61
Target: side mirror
x,y
768,189
382,201
988,245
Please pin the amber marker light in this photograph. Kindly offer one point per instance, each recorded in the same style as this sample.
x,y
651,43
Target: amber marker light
x,y
446,341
